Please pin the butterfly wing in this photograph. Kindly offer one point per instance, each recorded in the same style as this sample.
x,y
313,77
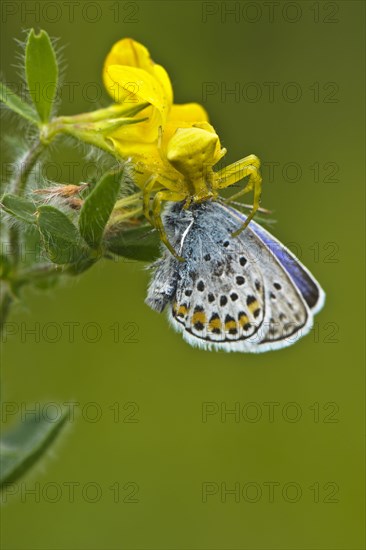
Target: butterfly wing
x,y
231,293
220,293
310,289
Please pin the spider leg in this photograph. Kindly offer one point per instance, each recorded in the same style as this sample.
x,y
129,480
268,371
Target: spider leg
x,y
147,190
248,166
159,198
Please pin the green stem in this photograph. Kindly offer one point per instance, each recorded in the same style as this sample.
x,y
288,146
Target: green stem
x,y
78,131
112,111
14,244
18,187
6,299
94,127
20,181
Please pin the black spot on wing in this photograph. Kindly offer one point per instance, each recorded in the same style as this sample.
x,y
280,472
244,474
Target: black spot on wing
x,y
250,300
201,286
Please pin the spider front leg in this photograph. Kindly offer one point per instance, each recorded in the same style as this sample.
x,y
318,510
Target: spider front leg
x,y
148,187
158,222
248,166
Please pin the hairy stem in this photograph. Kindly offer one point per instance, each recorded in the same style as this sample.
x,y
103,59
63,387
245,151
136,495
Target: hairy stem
x,y
20,181
18,187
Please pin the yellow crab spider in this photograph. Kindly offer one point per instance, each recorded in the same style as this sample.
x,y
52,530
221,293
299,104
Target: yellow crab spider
x,y
192,153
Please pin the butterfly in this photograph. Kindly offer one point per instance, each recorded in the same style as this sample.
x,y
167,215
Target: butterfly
x,y
245,293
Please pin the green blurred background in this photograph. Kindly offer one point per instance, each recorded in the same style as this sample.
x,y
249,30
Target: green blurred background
x,y
142,449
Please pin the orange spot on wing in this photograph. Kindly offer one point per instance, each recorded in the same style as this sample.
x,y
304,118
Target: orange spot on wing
x,y
215,324
182,311
199,317
230,325
243,319
253,306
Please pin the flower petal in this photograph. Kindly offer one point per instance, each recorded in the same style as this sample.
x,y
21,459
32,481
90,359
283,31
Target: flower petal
x,y
128,52
131,53
189,112
163,77
144,132
131,85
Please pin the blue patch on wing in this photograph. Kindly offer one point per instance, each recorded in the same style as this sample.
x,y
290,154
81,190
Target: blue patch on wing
x,y
300,276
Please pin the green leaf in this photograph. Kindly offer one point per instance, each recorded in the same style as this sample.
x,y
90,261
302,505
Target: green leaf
x,y
42,72
20,208
23,445
140,243
81,265
16,104
98,206
60,236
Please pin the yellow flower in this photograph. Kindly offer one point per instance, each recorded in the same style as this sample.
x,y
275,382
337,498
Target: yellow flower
x,y
132,78
175,149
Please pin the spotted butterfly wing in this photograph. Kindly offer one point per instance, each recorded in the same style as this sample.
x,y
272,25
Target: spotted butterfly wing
x,y
233,293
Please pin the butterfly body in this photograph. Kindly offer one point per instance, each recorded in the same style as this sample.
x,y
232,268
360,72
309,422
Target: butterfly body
x,y
244,293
